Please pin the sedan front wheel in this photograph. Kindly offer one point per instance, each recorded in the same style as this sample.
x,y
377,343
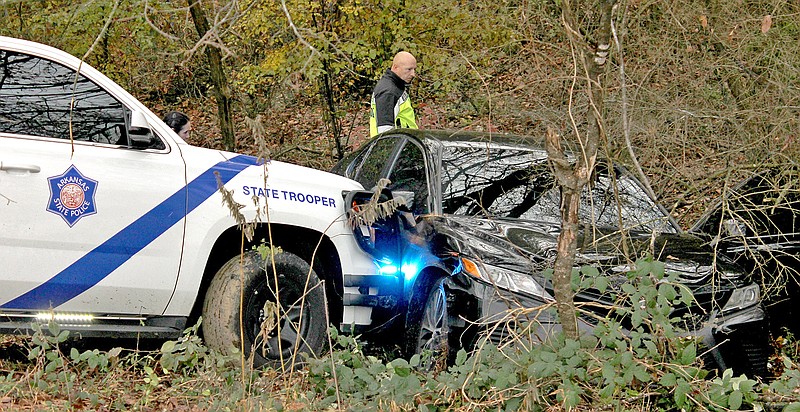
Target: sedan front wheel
x,y
427,327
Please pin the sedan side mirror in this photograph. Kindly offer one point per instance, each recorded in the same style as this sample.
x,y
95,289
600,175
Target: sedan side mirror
x,y
406,195
734,228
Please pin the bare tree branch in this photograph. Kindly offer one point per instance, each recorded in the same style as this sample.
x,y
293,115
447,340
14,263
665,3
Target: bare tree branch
x,y
626,128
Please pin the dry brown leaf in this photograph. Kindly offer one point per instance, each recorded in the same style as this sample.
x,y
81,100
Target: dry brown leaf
x,y
766,23
704,21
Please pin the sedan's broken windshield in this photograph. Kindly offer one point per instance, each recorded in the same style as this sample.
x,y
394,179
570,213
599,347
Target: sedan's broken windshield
x,y
509,181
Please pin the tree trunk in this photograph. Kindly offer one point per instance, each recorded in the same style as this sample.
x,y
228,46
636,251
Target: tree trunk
x,y
325,23
562,271
329,112
221,89
573,178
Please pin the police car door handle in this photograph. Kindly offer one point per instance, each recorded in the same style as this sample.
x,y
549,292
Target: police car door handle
x,y
10,167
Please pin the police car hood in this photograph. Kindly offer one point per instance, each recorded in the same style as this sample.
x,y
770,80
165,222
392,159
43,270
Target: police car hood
x,y
276,171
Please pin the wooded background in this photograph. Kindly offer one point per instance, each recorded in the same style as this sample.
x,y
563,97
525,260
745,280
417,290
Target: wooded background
x,y
700,94
704,93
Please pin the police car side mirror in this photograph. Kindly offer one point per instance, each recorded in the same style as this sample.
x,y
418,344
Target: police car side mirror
x,y
375,228
139,133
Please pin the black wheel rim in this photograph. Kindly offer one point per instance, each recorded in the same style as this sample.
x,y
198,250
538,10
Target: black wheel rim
x,y
281,340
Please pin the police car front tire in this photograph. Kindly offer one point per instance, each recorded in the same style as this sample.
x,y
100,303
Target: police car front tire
x,y
273,337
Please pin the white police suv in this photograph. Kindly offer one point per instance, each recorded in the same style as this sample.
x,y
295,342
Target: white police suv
x,y
111,225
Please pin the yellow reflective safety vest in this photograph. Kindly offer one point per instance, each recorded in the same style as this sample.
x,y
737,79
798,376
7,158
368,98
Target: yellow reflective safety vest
x,y
390,106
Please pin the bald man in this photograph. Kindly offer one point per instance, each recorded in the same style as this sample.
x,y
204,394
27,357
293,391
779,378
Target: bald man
x,y
390,105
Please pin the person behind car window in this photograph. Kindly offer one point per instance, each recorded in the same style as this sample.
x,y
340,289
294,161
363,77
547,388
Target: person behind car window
x,y
390,106
180,123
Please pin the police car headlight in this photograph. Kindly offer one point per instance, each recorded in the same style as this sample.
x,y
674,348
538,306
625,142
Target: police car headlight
x,y
504,279
743,297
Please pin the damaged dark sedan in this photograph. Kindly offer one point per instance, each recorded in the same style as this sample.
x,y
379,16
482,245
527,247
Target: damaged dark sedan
x,y
756,223
476,229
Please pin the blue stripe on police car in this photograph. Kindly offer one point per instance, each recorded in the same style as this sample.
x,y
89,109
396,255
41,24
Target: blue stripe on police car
x,y
97,264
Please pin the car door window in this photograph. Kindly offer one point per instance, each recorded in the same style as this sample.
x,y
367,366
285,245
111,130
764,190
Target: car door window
x,y
375,162
39,97
348,166
408,175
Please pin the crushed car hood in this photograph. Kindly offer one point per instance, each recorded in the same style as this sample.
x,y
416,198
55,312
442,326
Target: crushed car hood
x,y
530,247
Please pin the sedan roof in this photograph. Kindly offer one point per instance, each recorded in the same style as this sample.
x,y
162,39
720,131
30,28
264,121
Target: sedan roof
x,y
471,136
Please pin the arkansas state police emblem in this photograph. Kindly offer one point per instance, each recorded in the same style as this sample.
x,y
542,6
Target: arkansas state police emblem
x,y
72,195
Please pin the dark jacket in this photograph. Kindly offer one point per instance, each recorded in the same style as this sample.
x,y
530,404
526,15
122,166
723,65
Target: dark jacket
x,y
390,105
